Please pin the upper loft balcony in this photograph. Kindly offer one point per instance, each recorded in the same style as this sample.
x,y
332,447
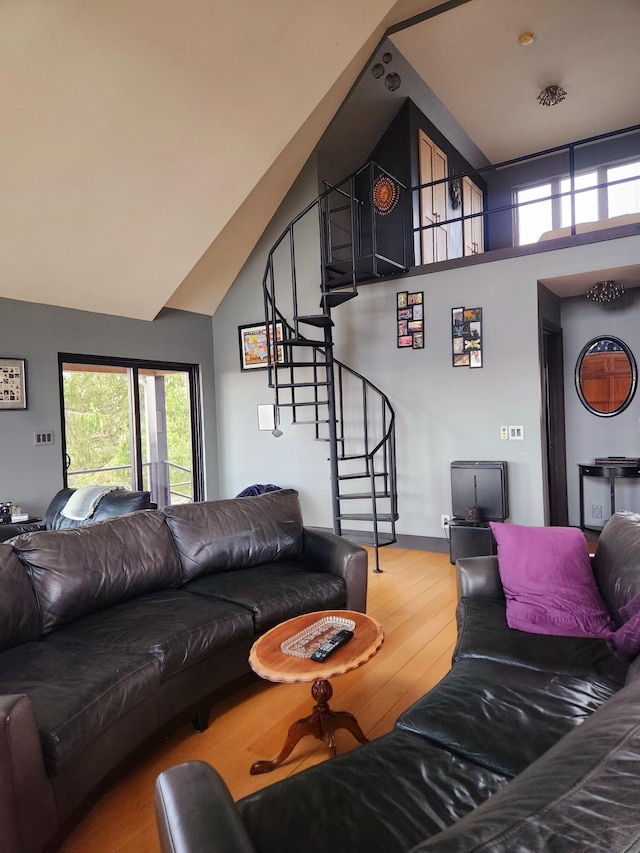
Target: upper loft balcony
x,y
583,192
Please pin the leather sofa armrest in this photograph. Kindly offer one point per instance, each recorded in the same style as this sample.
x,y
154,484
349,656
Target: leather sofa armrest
x,y
28,815
326,552
478,577
195,812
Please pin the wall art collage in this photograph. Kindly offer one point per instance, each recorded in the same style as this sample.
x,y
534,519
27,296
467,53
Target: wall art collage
x,y
466,337
410,326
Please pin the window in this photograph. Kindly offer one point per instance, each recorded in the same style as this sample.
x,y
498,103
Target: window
x,y
544,207
132,423
586,199
533,218
623,198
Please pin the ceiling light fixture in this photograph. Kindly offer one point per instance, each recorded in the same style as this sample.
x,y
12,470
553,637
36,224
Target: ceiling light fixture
x,y
551,96
526,38
605,291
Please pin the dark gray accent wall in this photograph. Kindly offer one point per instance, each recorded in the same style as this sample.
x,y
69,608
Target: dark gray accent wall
x,y
29,475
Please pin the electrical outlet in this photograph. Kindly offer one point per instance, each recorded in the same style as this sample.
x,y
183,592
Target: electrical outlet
x,y
444,521
516,432
40,438
596,511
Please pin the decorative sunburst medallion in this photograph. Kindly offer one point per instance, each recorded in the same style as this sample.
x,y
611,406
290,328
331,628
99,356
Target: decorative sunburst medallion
x,y
385,194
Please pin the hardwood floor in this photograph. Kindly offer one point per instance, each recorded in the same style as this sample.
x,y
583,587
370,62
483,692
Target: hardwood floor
x,y
414,600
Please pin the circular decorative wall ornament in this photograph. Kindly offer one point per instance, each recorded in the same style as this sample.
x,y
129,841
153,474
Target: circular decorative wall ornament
x,y
385,194
392,81
378,69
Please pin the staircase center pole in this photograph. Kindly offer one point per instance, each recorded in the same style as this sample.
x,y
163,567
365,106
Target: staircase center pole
x,y
333,431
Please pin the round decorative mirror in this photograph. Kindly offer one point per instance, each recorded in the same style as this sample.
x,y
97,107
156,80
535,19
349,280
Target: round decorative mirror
x,y
606,376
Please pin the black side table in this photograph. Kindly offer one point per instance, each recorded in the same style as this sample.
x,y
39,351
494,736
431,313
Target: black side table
x,y
468,539
608,472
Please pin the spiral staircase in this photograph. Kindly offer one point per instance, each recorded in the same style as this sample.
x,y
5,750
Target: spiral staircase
x,y
337,242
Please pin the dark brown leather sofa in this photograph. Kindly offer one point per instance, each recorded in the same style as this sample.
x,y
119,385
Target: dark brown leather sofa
x,y
109,631
530,743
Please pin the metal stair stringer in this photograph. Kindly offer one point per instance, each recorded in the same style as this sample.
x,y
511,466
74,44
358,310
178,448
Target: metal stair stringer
x,y
347,411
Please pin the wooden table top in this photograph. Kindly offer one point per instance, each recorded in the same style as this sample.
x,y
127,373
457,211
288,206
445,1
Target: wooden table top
x,y
268,661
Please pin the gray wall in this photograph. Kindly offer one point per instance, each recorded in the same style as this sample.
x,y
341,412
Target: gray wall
x,y
30,476
589,436
247,455
443,413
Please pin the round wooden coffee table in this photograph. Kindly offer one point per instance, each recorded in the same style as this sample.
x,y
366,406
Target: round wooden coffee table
x,y
268,661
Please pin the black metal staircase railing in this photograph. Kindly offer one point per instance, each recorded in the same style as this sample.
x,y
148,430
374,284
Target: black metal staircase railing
x,y
347,411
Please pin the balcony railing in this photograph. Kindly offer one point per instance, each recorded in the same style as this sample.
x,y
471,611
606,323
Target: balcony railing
x,y
157,480
500,211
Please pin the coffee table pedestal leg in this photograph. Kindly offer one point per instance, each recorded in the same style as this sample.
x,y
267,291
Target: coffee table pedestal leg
x,y
322,723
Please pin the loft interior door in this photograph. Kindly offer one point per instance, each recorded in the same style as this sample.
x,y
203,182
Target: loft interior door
x,y
433,200
472,202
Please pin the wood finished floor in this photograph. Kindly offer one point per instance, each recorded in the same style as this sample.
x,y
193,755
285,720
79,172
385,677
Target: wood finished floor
x,y
414,600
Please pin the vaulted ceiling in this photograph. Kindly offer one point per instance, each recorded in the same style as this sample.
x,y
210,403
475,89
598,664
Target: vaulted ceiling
x,y
145,144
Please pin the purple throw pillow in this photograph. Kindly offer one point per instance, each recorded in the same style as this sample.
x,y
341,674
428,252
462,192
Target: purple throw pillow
x,y
625,641
548,581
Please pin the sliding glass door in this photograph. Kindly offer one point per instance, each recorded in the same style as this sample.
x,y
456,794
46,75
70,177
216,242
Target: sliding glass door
x,y
134,424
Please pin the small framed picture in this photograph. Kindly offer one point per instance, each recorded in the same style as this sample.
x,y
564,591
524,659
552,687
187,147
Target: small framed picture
x,y
13,390
410,317
253,346
466,337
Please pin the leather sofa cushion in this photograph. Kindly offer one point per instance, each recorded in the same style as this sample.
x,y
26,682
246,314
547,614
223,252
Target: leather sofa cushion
x,y
386,795
178,629
501,716
581,795
19,614
76,693
274,592
81,571
483,633
220,536
616,564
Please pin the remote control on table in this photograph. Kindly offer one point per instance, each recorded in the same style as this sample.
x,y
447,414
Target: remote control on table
x,y
329,646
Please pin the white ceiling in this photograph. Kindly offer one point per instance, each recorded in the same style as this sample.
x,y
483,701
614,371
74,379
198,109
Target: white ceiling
x,y
145,144
472,59
577,284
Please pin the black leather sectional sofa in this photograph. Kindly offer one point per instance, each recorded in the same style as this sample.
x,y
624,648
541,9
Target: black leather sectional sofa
x,y
530,743
109,631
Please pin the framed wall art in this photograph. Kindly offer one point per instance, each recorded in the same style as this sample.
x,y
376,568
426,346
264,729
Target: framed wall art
x,y
466,337
410,319
13,391
253,346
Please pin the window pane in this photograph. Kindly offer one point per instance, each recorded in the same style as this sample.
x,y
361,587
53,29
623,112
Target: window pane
x,y
533,219
586,202
97,425
165,413
624,198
